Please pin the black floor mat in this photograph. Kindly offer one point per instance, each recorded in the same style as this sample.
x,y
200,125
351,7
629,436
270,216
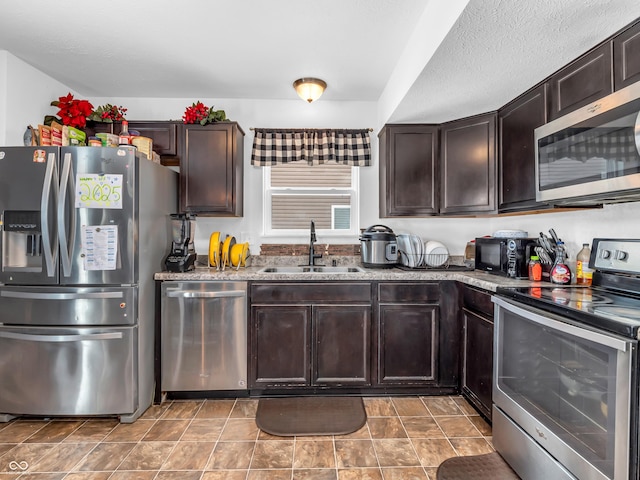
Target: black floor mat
x,y
317,415
490,466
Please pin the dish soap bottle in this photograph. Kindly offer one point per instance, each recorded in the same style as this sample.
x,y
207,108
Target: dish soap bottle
x,y
584,275
560,272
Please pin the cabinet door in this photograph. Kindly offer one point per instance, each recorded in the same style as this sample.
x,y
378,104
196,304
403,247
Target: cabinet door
x,y
100,127
280,345
626,57
581,82
477,373
517,121
211,169
408,170
341,345
468,165
407,344
163,134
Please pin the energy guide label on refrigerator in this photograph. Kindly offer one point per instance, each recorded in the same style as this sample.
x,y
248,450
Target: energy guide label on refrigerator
x,y
94,190
100,247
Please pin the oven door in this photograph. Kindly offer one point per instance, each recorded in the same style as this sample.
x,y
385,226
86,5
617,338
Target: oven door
x,y
568,387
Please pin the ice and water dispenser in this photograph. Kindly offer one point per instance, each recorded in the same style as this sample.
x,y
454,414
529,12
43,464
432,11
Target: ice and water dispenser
x,y
21,241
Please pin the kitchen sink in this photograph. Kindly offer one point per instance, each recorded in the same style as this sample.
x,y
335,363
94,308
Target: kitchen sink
x,y
309,269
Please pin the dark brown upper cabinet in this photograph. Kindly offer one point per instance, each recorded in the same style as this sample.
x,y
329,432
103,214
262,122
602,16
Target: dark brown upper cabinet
x,y
583,81
408,170
626,57
163,134
517,121
211,169
468,165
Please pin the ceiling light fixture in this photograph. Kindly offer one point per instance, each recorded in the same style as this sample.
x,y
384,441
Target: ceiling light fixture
x,y
309,89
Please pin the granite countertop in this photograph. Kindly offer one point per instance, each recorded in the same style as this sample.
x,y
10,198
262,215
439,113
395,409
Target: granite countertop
x,y
470,277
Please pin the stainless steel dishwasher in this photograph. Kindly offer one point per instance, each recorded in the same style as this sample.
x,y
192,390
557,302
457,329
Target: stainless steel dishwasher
x,y
204,336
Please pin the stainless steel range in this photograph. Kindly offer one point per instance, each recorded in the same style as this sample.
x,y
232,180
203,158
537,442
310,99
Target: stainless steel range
x,y
566,367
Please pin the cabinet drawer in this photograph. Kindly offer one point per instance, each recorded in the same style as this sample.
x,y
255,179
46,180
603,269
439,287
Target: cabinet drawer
x,y
478,301
340,292
408,292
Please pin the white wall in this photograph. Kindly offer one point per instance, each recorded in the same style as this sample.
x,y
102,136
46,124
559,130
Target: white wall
x,y
25,95
3,96
266,114
573,227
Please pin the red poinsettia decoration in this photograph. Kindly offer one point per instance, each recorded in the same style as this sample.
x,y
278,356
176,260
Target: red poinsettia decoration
x,y
108,113
73,112
200,113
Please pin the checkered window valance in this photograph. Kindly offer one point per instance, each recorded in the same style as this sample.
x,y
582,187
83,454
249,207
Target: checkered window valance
x,y
315,146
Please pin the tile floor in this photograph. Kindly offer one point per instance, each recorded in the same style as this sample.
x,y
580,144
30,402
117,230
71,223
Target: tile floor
x,y
405,438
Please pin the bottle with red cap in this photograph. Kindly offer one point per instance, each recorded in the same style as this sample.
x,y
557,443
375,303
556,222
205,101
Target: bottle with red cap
x,y
124,138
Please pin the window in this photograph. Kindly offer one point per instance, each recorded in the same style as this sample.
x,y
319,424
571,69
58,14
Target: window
x,y
296,193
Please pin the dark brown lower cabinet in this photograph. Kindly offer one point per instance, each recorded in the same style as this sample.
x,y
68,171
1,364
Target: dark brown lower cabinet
x,y
477,351
310,335
341,344
408,352
407,328
280,345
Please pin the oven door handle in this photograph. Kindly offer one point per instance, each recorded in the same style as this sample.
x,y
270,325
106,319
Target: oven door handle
x,y
637,133
61,338
558,325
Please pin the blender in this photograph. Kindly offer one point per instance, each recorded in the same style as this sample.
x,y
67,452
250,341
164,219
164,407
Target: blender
x,y
182,256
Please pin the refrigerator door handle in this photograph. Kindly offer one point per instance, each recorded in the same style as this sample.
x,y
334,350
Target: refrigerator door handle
x,y
66,245
60,296
49,245
61,338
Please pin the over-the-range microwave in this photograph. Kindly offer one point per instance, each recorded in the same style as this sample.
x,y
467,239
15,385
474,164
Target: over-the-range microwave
x,y
591,155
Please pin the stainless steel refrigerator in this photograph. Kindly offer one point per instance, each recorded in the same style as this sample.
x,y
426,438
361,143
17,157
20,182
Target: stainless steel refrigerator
x,y
83,230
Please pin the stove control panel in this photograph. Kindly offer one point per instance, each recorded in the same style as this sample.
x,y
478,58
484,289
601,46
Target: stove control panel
x,y
619,255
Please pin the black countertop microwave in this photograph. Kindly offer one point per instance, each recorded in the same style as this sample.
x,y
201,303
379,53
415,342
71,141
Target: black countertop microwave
x,y
508,257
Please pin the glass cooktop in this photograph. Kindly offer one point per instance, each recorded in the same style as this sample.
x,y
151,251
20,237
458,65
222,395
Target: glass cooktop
x,y
598,307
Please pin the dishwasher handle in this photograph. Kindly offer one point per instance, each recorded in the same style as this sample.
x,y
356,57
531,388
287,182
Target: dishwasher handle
x,y
174,292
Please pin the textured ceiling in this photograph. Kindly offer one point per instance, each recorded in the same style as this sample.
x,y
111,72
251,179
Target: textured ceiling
x,y
498,49
255,49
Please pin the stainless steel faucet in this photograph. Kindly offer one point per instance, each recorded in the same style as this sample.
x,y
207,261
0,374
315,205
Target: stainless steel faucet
x,y
312,254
